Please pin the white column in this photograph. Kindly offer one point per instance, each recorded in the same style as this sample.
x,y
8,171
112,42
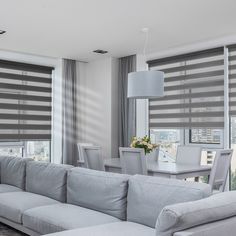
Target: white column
x,y
226,99
226,105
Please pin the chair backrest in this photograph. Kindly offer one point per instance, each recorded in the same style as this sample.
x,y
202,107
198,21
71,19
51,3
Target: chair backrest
x,y
93,157
79,145
133,161
220,169
154,155
189,155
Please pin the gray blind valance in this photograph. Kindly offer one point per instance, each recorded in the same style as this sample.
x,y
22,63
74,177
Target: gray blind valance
x,y
232,79
194,91
25,101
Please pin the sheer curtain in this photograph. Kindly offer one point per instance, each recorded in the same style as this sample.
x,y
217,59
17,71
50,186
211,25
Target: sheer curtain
x,y
127,107
69,113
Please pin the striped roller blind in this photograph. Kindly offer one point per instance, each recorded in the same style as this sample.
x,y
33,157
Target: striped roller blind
x,y
25,101
232,79
194,91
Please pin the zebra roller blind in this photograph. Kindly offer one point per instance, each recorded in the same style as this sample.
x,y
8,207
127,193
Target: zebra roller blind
x,y
194,91
232,80
25,101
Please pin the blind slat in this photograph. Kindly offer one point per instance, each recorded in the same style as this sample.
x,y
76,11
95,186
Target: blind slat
x,y
24,127
25,87
188,124
187,105
189,56
19,137
24,107
194,66
194,85
25,117
25,97
19,66
195,76
25,78
187,115
190,95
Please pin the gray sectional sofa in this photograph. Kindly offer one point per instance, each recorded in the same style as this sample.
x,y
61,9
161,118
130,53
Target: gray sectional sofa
x,y
41,198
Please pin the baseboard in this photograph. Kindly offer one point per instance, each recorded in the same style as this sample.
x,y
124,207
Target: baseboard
x,y
18,227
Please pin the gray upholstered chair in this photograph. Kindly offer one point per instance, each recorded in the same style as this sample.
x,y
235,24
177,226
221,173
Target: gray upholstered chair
x,y
189,155
220,170
133,161
93,157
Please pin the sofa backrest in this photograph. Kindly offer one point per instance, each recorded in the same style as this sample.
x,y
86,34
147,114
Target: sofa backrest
x,y
147,196
47,179
98,190
13,171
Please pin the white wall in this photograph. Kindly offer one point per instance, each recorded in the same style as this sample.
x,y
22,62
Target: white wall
x,y
97,108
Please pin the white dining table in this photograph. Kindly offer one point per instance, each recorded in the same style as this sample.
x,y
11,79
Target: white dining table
x,y
164,169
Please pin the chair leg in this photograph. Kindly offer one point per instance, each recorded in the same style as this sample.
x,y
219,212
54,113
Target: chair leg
x,y
196,179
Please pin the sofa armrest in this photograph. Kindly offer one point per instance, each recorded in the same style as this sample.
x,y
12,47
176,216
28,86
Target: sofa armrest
x,y
178,217
218,228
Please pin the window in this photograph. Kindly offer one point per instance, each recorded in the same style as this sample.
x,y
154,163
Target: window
x,y
205,136
232,111
16,151
38,150
25,109
168,139
195,92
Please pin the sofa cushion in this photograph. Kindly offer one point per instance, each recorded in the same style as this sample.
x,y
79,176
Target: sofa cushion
x,y
5,188
147,196
181,216
12,205
98,190
47,179
13,171
114,229
59,217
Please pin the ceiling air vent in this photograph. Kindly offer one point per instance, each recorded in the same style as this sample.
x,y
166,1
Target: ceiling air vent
x,y
99,51
2,31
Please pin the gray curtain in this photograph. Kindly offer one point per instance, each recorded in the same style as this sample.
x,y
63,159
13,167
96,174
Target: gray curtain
x,y
69,113
127,107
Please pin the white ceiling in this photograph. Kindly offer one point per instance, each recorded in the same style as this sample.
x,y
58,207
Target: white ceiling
x,y
74,28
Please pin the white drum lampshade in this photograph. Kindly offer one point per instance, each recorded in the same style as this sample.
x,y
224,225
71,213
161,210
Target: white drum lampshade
x,y
145,84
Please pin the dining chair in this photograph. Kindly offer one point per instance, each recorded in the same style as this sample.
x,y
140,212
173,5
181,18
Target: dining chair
x,y
189,155
220,170
133,161
93,158
80,156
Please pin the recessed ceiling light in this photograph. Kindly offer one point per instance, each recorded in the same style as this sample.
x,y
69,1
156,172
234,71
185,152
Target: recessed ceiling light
x,y
100,51
2,31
